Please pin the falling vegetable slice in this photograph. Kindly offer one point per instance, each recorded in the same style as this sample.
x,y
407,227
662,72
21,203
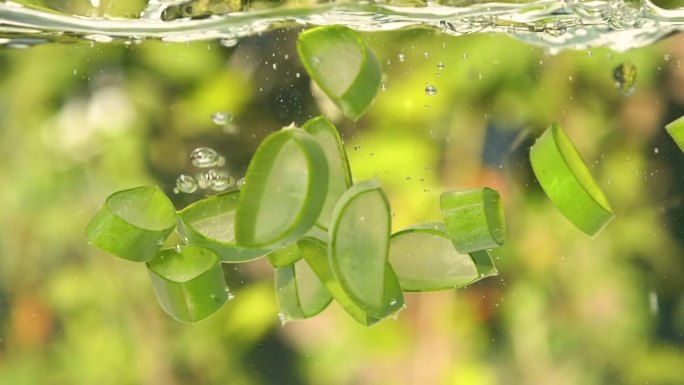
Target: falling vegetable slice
x,y
285,188
676,131
189,282
565,178
339,175
133,224
315,252
424,259
342,65
210,223
359,248
474,219
299,292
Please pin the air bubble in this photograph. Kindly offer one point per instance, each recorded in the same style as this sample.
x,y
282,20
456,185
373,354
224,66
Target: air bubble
x,y
204,157
430,90
186,184
221,118
401,57
218,180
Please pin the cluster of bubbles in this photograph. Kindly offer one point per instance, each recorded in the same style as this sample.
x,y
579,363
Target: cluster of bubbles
x,y
211,177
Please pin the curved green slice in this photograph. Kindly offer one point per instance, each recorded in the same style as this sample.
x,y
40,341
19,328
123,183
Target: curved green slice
x,y
565,178
339,174
189,282
210,223
284,256
315,252
342,65
132,224
359,248
299,292
676,130
424,259
474,219
285,189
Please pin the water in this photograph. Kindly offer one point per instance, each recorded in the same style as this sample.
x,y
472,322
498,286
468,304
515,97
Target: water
x,y
619,24
97,98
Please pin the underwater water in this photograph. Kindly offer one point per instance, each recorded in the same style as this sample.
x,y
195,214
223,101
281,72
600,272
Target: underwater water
x,y
102,96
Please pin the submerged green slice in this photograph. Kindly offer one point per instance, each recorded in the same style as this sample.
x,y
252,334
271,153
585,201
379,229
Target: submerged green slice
x,y
339,174
567,182
189,282
299,292
284,256
342,65
676,131
425,260
315,253
133,224
210,223
285,189
359,249
474,219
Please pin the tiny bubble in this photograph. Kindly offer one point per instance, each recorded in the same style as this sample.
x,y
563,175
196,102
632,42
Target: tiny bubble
x,y
430,90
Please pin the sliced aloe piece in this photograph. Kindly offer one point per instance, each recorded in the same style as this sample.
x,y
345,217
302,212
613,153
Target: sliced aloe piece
x,y
132,224
339,174
359,248
210,223
567,182
284,256
676,131
284,192
342,65
474,218
424,259
299,292
315,253
484,263
189,282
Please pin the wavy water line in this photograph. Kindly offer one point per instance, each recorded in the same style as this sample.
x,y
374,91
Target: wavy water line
x,y
555,24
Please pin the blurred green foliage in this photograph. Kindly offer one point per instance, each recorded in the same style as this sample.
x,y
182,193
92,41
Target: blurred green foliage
x,y
79,121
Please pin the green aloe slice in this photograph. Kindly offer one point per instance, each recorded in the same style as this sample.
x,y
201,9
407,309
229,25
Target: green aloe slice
x,y
342,65
359,249
567,182
339,174
474,218
676,130
284,256
285,189
484,263
424,259
189,282
299,292
210,223
133,224
315,253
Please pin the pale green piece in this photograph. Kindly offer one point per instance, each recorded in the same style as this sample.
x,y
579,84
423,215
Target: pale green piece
x,y
424,259
210,223
676,130
474,219
284,256
284,192
359,249
189,282
315,252
342,65
339,174
133,224
567,182
299,292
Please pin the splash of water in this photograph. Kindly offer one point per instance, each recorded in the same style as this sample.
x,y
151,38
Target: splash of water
x,y
555,24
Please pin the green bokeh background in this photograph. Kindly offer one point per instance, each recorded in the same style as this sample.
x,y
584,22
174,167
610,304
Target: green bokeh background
x,y
79,121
